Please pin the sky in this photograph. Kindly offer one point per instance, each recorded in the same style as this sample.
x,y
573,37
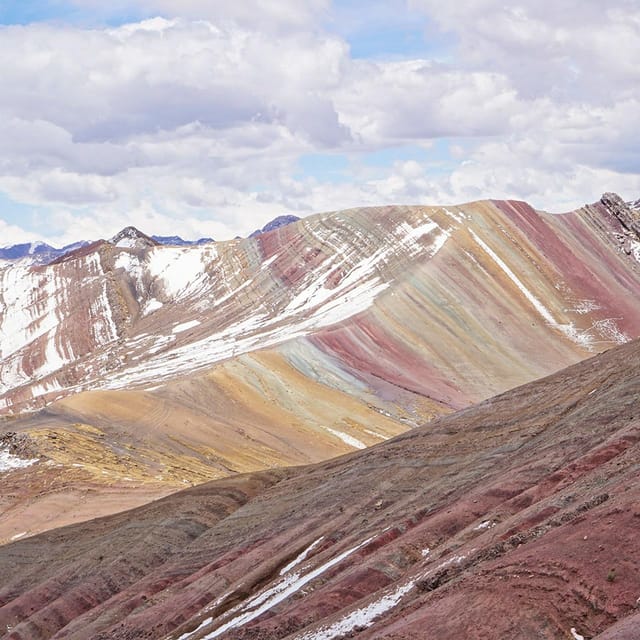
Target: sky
x,y
210,118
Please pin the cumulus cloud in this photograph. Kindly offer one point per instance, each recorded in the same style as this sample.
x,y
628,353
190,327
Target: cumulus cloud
x,y
568,49
274,16
201,113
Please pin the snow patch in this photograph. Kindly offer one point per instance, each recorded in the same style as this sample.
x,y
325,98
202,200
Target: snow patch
x,y
151,305
609,330
8,461
126,261
288,585
583,307
575,634
185,326
126,243
487,524
363,617
458,217
180,269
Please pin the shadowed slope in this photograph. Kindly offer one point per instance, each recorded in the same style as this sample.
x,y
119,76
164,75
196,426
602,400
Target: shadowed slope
x,y
515,518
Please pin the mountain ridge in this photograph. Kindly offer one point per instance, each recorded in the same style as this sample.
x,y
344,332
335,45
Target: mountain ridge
x,y
137,281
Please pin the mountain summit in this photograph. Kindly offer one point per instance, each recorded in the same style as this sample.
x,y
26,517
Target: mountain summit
x,y
130,238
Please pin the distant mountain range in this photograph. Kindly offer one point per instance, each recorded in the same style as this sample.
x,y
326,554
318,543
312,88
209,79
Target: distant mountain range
x,y
38,252
42,253
177,241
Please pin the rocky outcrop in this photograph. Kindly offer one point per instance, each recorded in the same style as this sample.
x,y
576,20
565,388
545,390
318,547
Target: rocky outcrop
x,y
628,216
17,444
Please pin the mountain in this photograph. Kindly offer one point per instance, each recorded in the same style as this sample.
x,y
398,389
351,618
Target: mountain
x,y
132,371
132,238
40,253
37,252
179,242
529,289
276,223
516,518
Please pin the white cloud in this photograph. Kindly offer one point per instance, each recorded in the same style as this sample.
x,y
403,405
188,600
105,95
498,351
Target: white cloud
x,y
567,49
264,15
391,102
12,234
201,115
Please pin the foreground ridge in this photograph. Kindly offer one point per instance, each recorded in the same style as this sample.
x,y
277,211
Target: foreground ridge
x,y
513,518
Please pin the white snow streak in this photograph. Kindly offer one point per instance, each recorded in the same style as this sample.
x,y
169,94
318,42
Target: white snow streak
x,y
576,635
185,326
288,585
581,338
302,556
346,438
366,616
361,617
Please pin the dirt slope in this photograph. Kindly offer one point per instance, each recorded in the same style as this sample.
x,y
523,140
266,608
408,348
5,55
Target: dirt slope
x,y
516,518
